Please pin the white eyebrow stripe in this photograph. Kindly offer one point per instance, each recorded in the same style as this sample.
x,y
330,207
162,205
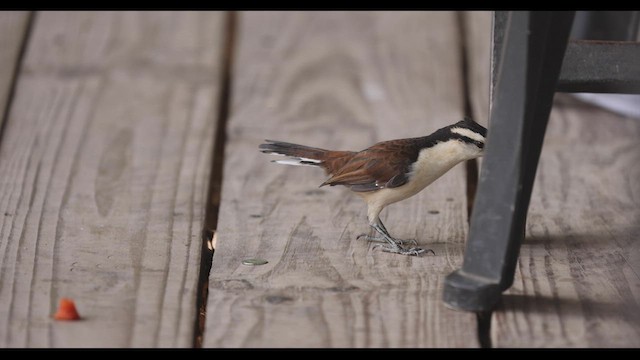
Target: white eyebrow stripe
x,y
468,133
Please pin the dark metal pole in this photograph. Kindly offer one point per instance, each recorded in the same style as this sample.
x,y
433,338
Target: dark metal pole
x,y
532,52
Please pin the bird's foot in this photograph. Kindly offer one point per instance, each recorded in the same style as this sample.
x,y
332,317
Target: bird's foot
x,y
381,239
415,251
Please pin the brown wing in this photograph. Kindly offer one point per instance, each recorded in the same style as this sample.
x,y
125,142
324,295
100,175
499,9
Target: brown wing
x,y
335,160
383,165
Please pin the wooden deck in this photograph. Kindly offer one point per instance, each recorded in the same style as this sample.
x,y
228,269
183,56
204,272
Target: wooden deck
x,y
125,134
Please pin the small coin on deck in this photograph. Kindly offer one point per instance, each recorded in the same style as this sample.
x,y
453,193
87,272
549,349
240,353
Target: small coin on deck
x,y
253,262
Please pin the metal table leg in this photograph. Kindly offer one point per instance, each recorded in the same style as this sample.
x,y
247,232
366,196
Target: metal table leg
x,y
533,49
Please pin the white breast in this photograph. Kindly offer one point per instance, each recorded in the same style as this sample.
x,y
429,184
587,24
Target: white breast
x,y
432,163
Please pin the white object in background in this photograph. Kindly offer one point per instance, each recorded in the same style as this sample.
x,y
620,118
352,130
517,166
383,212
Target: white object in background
x,y
623,104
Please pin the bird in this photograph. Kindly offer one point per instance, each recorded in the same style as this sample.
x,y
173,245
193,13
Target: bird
x,y
389,171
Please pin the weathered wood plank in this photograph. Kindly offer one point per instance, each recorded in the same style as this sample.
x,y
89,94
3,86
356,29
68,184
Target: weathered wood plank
x,y
344,81
13,28
477,31
104,168
578,279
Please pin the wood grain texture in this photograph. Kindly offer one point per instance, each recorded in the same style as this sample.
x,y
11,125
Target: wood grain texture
x,y
104,169
578,278
339,80
13,28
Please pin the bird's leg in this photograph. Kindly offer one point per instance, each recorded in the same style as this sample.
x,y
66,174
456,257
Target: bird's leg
x,y
382,239
368,237
395,246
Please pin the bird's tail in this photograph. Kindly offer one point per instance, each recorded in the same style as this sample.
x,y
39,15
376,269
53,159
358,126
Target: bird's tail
x,y
301,155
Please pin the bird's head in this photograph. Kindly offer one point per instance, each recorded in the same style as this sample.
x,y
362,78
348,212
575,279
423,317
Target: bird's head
x,y
471,135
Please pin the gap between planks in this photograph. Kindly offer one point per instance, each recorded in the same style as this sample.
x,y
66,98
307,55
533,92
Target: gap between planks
x,y
215,184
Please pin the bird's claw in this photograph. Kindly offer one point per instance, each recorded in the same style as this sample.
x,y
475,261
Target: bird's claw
x,y
407,241
415,251
368,237
383,240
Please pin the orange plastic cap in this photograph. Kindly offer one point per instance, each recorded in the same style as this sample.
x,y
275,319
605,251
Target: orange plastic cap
x,y
66,310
